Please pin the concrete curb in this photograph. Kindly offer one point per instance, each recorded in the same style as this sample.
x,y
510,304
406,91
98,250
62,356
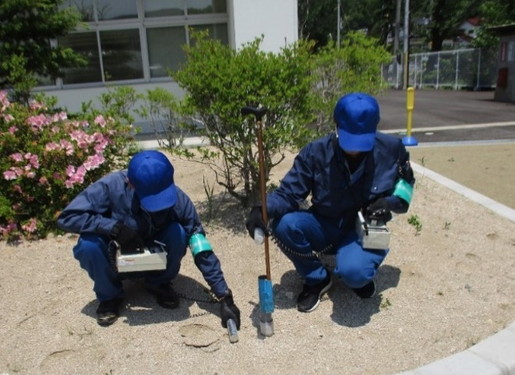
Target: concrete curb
x,y
473,195
494,355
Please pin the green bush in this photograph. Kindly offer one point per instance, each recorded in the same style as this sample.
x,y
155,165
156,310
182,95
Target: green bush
x,y
219,81
297,87
355,66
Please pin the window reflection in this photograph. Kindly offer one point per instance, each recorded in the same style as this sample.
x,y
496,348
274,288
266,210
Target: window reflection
x,y
216,31
86,45
165,49
116,9
206,6
121,57
121,54
163,8
84,7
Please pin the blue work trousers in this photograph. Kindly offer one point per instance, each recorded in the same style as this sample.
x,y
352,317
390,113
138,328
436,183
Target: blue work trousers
x,y
301,232
92,253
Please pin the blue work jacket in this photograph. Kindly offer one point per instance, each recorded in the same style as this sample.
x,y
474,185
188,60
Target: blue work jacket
x,y
320,172
111,199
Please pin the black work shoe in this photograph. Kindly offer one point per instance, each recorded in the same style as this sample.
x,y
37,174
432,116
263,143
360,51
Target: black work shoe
x,y
309,299
165,295
367,291
108,311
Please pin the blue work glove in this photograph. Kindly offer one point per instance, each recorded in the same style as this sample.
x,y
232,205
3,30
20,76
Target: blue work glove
x,y
228,310
379,210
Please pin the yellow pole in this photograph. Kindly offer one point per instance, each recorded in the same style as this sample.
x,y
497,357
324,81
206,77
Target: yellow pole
x,y
410,104
408,140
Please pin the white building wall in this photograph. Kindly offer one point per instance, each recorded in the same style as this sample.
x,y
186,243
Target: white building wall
x,y
72,98
275,19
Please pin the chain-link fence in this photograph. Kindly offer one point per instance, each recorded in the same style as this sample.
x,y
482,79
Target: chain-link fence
x,y
472,68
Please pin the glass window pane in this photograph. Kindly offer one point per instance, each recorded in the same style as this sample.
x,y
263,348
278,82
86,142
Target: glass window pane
x,y
86,45
116,9
85,8
165,49
121,54
206,6
163,8
216,31
511,51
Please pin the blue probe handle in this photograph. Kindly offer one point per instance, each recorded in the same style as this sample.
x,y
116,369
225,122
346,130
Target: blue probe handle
x,y
266,295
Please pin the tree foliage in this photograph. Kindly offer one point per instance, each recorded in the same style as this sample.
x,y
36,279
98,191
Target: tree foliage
x,y
494,13
162,109
355,66
318,19
27,28
432,21
219,81
445,18
310,13
297,87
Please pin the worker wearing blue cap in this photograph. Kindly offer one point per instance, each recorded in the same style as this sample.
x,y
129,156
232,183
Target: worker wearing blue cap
x,y
355,169
133,208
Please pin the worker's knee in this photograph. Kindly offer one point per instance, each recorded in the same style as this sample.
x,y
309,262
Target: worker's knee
x,y
292,226
89,249
354,276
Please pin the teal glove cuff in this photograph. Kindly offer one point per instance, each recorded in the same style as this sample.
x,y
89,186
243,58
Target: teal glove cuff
x,y
403,190
198,244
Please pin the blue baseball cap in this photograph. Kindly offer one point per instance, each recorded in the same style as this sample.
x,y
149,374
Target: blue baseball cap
x,y
151,174
356,116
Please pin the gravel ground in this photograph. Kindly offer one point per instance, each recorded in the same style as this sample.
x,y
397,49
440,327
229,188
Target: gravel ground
x,y
442,289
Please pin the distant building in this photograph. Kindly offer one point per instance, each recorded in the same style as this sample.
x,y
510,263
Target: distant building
x,y
505,89
469,28
135,42
467,33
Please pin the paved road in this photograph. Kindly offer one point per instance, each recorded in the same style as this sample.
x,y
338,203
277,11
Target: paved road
x,y
443,116
447,115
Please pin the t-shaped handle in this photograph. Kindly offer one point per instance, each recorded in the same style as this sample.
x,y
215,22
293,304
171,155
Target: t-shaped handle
x,y
258,112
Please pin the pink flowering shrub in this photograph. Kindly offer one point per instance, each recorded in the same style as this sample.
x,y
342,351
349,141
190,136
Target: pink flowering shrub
x,y
47,157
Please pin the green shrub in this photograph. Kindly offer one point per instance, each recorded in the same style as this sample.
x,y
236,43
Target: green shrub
x,y
355,66
219,81
297,87
48,156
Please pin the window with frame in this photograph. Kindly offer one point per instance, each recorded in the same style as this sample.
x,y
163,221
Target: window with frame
x,y
121,54
112,43
86,45
165,49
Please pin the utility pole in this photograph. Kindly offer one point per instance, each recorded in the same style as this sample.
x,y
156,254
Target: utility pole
x,y
338,23
406,45
397,27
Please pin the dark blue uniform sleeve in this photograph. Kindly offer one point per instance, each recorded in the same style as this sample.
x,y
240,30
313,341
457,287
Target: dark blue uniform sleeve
x,y
206,261
209,264
89,211
187,214
295,187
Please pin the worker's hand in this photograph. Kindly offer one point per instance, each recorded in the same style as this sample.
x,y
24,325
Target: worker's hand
x,y
255,220
228,310
128,239
379,210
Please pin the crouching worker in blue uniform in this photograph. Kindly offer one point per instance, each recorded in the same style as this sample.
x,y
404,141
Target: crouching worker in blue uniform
x,y
354,169
135,207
